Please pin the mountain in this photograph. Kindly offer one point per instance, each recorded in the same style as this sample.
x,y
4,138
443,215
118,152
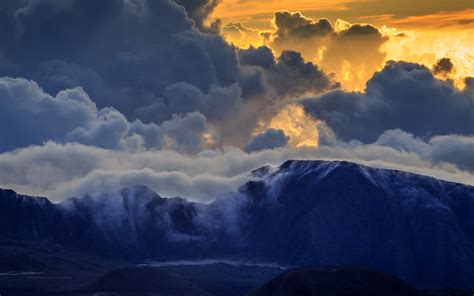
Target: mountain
x,y
339,213
334,281
303,213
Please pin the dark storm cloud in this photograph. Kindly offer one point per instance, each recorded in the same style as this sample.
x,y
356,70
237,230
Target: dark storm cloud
x,y
124,53
403,95
294,24
199,11
270,139
443,66
148,60
260,56
182,98
290,74
469,85
30,116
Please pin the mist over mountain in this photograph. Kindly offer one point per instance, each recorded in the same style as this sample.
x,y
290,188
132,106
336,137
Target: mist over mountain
x,y
302,213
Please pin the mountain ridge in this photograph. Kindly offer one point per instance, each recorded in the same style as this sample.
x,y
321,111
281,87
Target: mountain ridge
x,y
301,213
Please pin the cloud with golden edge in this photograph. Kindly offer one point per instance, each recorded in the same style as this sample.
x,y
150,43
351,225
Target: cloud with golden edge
x,y
296,124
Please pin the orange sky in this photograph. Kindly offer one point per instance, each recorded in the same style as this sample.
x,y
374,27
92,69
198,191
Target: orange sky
x,y
381,12
418,31
433,29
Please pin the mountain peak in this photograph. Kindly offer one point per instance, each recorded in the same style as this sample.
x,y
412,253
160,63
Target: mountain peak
x,y
11,194
139,191
296,163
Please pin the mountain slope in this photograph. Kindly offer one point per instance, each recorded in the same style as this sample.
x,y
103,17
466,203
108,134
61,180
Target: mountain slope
x,y
333,281
302,213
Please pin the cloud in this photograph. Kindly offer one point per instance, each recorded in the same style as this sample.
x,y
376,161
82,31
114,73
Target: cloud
x,y
64,170
354,54
290,75
147,60
299,33
270,139
241,36
352,51
123,92
443,67
452,149
403,95
301,129
181,98
30,116
261,56
128,55
199,11
186,133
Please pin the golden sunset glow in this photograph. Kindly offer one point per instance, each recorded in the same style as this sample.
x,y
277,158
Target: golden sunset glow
x,y
422,38
428,46
412,14
292,120
260,12
420,32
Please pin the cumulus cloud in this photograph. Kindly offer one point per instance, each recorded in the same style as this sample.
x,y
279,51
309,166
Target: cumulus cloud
x,y
290,74
352,51
443,67
403,95
199,11
270,139
30,116
128,55
299,33
185,133
148,60
354,54
241,36
180,98
261,56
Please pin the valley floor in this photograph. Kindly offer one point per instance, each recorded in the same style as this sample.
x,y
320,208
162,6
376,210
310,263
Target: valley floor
x,y
217,279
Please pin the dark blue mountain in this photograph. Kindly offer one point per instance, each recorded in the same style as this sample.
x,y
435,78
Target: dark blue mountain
x,y
302,213
334,281
339,213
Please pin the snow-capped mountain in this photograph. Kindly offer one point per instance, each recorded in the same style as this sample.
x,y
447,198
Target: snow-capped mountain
x,y
301,213
339,213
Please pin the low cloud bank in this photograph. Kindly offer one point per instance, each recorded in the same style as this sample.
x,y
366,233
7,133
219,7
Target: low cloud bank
x,y
64,170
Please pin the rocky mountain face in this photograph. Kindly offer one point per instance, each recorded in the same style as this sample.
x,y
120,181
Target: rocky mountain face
x,y
302,213
339,213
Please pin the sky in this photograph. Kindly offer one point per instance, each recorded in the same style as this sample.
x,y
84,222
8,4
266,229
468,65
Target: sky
x,y
382,12
188,96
